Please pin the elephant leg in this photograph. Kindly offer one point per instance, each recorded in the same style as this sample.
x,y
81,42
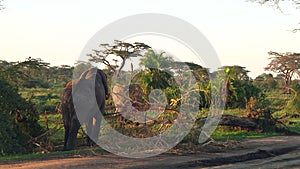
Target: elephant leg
x,y
96,128
73,131
93,129
66,137
89,130
67,125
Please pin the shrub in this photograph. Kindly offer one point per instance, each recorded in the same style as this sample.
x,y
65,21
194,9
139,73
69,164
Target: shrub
x,y
18,121
241,93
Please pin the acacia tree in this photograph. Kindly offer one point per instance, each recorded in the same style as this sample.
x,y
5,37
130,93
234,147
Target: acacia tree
x,y
287,64
118,50
111,54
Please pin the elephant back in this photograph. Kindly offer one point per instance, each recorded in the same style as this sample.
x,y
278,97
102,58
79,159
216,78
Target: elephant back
x,y
89,92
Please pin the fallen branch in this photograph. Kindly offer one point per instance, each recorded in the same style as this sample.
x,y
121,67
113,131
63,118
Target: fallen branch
x,y
253,124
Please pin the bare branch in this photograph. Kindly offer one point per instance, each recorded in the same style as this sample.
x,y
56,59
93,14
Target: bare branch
x,y
1,5
276,4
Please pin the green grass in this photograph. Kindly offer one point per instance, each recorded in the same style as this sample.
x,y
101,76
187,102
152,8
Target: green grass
x,y
57,154
55,127
45,99
53,120
294,124
56,130
221,135
235,112
295,127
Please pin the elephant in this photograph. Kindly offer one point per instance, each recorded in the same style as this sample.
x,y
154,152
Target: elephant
x,y
82,100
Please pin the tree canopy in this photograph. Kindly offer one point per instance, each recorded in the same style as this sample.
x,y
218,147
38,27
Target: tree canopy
x,y
118,50
34,72
287,64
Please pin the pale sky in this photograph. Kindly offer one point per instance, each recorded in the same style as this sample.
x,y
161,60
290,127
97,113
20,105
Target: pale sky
x,y
57,30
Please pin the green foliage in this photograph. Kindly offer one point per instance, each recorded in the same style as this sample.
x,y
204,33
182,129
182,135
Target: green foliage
x,y
236,72
157,61
294,124
277,99
202,77
42,86
266,82
293,106
155,75
239,86
173,96
80,68
18,121
55,155
240,92
154,79
33,73
52,122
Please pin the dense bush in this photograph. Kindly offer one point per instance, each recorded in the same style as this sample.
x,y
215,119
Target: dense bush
x,y
241,92
266,82
18,121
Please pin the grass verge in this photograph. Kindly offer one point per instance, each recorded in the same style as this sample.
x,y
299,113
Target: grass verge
x,y
53,155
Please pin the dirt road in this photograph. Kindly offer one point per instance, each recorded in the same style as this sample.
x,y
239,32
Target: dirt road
x,y
273,152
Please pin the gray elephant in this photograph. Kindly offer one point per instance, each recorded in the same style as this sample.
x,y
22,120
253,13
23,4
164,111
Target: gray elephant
x,y
83,100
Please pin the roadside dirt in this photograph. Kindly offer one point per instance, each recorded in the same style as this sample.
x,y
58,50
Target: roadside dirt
x,y
272,152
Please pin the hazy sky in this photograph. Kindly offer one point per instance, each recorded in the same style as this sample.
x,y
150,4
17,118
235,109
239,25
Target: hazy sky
x,y
56,30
